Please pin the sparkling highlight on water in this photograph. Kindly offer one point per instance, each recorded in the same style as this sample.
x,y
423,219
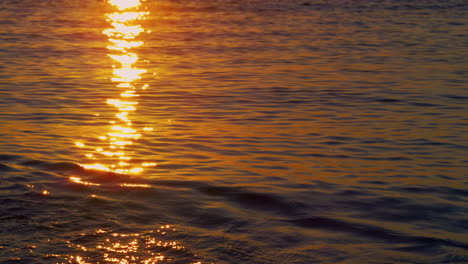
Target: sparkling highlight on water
x,y
113,155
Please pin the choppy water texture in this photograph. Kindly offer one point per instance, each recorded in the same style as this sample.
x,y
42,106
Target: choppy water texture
x,y
258,131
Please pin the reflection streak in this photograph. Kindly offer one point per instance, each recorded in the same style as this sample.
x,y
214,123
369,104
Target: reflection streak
x,y
112,156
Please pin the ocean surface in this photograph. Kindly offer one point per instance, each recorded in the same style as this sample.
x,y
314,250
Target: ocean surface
x,y
233,131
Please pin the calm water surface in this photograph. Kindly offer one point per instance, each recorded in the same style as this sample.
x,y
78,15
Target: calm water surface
x,y
231,132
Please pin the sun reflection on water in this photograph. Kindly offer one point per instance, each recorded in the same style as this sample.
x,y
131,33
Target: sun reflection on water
x,y
112,155
114,247
125,4
112,152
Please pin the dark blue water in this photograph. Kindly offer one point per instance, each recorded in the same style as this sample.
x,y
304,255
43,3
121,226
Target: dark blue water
x,y
233,132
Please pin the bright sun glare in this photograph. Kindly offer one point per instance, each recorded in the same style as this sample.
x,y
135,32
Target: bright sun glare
x,y
112,153
125,4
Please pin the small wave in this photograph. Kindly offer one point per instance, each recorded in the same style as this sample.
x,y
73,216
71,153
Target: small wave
x,y
4,167
55,167
423,104
427,142
254,200
69,172
371,231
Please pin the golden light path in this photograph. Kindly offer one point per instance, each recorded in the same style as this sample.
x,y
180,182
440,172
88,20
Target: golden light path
x,y
112,155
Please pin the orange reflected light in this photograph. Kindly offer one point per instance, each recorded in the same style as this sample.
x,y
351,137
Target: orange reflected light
x,y
80,260
121,143
127,74
122,37
125,85
123,129
135,170
126,248
95,167
122,116
154,260
126,16
123,31
126,59
121,44
135,185
80,181
149,164
129,93
120,104
121,135
125,4
112,154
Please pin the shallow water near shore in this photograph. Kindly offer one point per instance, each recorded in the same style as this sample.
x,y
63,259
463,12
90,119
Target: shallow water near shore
x,y
224,131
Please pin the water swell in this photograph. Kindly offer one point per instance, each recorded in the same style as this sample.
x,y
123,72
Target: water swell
x,y
167,199
373,232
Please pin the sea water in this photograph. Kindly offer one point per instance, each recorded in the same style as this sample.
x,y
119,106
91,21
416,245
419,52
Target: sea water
x,y
222,131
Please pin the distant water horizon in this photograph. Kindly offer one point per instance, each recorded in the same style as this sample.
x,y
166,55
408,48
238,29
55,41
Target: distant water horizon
x,y
233,132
